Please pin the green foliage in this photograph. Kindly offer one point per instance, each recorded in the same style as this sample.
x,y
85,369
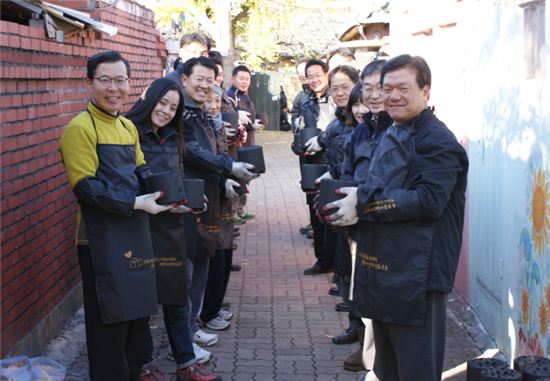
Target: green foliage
x,y
176,18
259,26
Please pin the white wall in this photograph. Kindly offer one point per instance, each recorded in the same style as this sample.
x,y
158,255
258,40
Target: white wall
x,y
480,91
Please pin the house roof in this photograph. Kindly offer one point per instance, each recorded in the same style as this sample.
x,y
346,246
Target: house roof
x,y
353,31
60,18
318,29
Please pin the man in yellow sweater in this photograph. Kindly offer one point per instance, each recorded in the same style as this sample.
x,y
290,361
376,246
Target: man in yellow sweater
x,y
104,163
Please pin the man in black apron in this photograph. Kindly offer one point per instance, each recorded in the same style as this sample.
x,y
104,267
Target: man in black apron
x,y
410,214
101,153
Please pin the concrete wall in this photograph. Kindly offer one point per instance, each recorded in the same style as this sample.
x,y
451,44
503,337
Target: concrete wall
x,y
482,91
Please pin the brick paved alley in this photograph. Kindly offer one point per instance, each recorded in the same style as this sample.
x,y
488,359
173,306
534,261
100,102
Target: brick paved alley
x,y
283,320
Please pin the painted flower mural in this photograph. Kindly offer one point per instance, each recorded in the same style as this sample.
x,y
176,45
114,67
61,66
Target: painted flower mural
x,y
534,314
540,212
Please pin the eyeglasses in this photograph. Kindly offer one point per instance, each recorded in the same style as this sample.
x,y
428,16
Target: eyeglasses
x,y
106,81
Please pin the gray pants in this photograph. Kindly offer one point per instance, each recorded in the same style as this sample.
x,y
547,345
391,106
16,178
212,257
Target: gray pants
x,y
412,353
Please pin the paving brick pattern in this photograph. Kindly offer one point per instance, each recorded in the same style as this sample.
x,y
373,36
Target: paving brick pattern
x,y
283,320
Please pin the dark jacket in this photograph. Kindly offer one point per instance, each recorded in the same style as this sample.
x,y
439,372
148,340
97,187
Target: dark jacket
x,y
310,110
411,213
336,140
241,101
202,161
297,105
363,140
163,153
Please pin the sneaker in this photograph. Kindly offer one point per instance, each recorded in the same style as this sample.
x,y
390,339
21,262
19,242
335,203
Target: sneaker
x,y
225,314
152,372
202,355
217,324
247,216
238,220
195,372
205,339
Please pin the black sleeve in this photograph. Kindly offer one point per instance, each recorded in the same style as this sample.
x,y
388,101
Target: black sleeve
x,y
438,169
105,196
202,159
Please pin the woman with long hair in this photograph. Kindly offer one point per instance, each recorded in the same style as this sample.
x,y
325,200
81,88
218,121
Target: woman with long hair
x,y
158,118
345,89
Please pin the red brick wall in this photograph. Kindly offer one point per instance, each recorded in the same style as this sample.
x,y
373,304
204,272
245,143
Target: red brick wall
x,y
42,87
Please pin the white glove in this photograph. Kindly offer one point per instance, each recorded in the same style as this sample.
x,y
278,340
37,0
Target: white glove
x,y
325,175
346,214
312,145
180,209
230,188
244,117
148,203
242,171
230,132
257,125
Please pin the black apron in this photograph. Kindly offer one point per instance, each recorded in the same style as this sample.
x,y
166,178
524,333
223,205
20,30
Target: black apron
x,y
120,246
392,259
168,236
167,229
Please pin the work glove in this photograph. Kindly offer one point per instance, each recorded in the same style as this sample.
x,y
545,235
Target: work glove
x,y
313,146
242,171
230,132
244,136
148,203
346,214
230,188
325,175
204,207
244,117
257,125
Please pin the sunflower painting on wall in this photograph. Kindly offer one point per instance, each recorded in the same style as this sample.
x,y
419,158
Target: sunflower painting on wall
x,y
534,317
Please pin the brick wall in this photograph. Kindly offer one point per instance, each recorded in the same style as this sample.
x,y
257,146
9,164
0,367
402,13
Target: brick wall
x,y
42,87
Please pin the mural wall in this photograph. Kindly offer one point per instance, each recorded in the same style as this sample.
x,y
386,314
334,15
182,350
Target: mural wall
x,y
479,54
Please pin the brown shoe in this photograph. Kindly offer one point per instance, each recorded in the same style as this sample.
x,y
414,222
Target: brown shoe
x,y
354,362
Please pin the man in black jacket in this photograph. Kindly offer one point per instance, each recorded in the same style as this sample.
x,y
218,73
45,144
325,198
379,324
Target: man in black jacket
x,y
410,214
296,117
318,111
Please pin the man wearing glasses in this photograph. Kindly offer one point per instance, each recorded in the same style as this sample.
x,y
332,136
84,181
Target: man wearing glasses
x,y
104,163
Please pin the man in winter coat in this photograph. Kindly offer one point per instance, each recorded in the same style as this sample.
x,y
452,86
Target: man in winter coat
x,y
410,214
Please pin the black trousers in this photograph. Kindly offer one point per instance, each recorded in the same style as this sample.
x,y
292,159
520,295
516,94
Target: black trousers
x,y
216,286
407,353
318,237
330,239
115,351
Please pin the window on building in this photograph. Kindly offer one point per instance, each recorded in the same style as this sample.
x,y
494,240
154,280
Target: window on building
x,y
534,37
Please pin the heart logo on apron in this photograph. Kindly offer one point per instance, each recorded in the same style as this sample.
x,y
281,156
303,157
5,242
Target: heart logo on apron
x,y
128,254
